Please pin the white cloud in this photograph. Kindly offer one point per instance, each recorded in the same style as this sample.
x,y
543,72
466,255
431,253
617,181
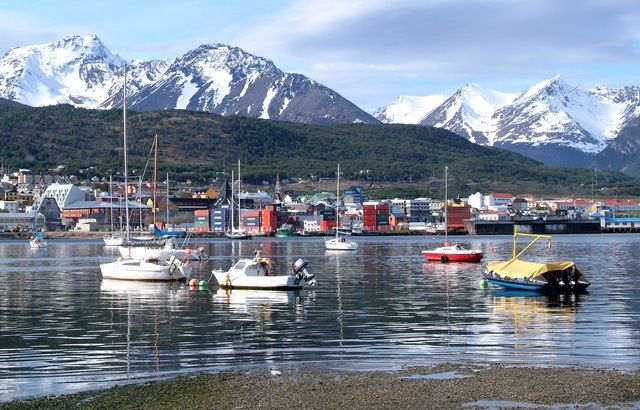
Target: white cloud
x,y
342,42
23,29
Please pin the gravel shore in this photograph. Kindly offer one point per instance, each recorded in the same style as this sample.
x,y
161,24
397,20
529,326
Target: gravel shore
x,y
437,387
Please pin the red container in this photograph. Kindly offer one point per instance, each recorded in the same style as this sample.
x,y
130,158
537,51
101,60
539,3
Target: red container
x,y
201,212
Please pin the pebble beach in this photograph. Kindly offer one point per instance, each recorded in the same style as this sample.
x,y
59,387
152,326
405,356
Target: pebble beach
x,y
437,387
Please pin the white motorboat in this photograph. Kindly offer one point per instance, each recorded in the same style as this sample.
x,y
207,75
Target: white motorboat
x,y
256,273
134,269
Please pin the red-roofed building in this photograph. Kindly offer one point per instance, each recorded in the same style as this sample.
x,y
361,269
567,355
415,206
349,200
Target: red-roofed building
x,y
617,205
499,199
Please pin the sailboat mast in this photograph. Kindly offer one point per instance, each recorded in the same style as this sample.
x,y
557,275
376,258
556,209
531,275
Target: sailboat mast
x,y
233,204
338,201
140,202
155,177
111,201
126,170
239,191
446,200
167,219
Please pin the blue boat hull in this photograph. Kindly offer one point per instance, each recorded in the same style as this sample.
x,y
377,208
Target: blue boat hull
x,y
518,285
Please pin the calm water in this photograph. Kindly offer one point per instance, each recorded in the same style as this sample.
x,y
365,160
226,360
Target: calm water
x,y
63,328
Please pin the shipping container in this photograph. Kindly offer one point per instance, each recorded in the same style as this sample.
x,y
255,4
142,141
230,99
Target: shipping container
x,y
202,212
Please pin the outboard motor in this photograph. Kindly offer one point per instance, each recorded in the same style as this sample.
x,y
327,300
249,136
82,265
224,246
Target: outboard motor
x,y
300,272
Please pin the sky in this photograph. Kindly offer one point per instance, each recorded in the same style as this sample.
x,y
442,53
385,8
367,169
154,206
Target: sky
x,y
369,51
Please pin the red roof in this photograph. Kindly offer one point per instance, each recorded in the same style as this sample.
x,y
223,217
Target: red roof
x,y
618,202
501,195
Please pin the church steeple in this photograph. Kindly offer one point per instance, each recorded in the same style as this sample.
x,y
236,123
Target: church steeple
x,y
277,196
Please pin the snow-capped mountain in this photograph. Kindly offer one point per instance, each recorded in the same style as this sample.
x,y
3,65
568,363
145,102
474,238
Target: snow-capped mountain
x,y
551,121
408,109
214,77
469,112
73,70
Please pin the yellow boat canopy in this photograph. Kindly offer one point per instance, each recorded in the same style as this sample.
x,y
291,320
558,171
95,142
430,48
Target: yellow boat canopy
x,y
516,268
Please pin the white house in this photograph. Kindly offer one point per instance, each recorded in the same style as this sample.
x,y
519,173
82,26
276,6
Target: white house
x,y
9,206
66,194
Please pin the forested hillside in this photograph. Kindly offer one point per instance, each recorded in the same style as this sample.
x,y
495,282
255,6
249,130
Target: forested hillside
x,y
199,146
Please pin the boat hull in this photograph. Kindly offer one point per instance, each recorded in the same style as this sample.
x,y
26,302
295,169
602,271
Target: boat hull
x,y
227,280
518,286
469,255
112,241
334,244
132,269
232,235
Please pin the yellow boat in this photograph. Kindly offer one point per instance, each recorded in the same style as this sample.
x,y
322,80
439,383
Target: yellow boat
x,y
558,277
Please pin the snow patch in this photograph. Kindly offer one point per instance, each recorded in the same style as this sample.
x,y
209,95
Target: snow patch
x,y
248,81
267,101
189,89
284,105
408,109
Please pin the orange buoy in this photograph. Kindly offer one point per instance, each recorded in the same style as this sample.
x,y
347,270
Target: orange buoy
x,y
193,283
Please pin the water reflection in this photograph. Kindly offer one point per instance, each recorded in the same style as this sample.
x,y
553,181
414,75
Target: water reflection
x,y
530,317
139,318
63,328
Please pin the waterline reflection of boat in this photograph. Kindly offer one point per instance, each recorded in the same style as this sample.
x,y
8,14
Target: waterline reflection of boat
x,y
243,298
532,315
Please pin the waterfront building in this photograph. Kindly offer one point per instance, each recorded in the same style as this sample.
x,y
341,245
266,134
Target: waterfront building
x,y
66,194
10,221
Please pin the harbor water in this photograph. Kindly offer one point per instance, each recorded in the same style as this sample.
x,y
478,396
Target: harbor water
x,y
64,329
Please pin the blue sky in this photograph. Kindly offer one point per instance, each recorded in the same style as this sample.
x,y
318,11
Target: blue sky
x,y
370,51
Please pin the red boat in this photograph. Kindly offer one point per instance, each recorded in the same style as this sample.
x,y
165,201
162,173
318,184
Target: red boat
x,y
449,252
452,253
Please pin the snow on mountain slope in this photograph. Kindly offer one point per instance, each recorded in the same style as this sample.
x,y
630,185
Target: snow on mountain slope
x,y
74,70
552,112
408,109
469,112
214,77
549,114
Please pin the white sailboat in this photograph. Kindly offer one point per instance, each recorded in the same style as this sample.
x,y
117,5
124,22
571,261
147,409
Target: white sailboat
x,y
127,267
341,241
236,233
